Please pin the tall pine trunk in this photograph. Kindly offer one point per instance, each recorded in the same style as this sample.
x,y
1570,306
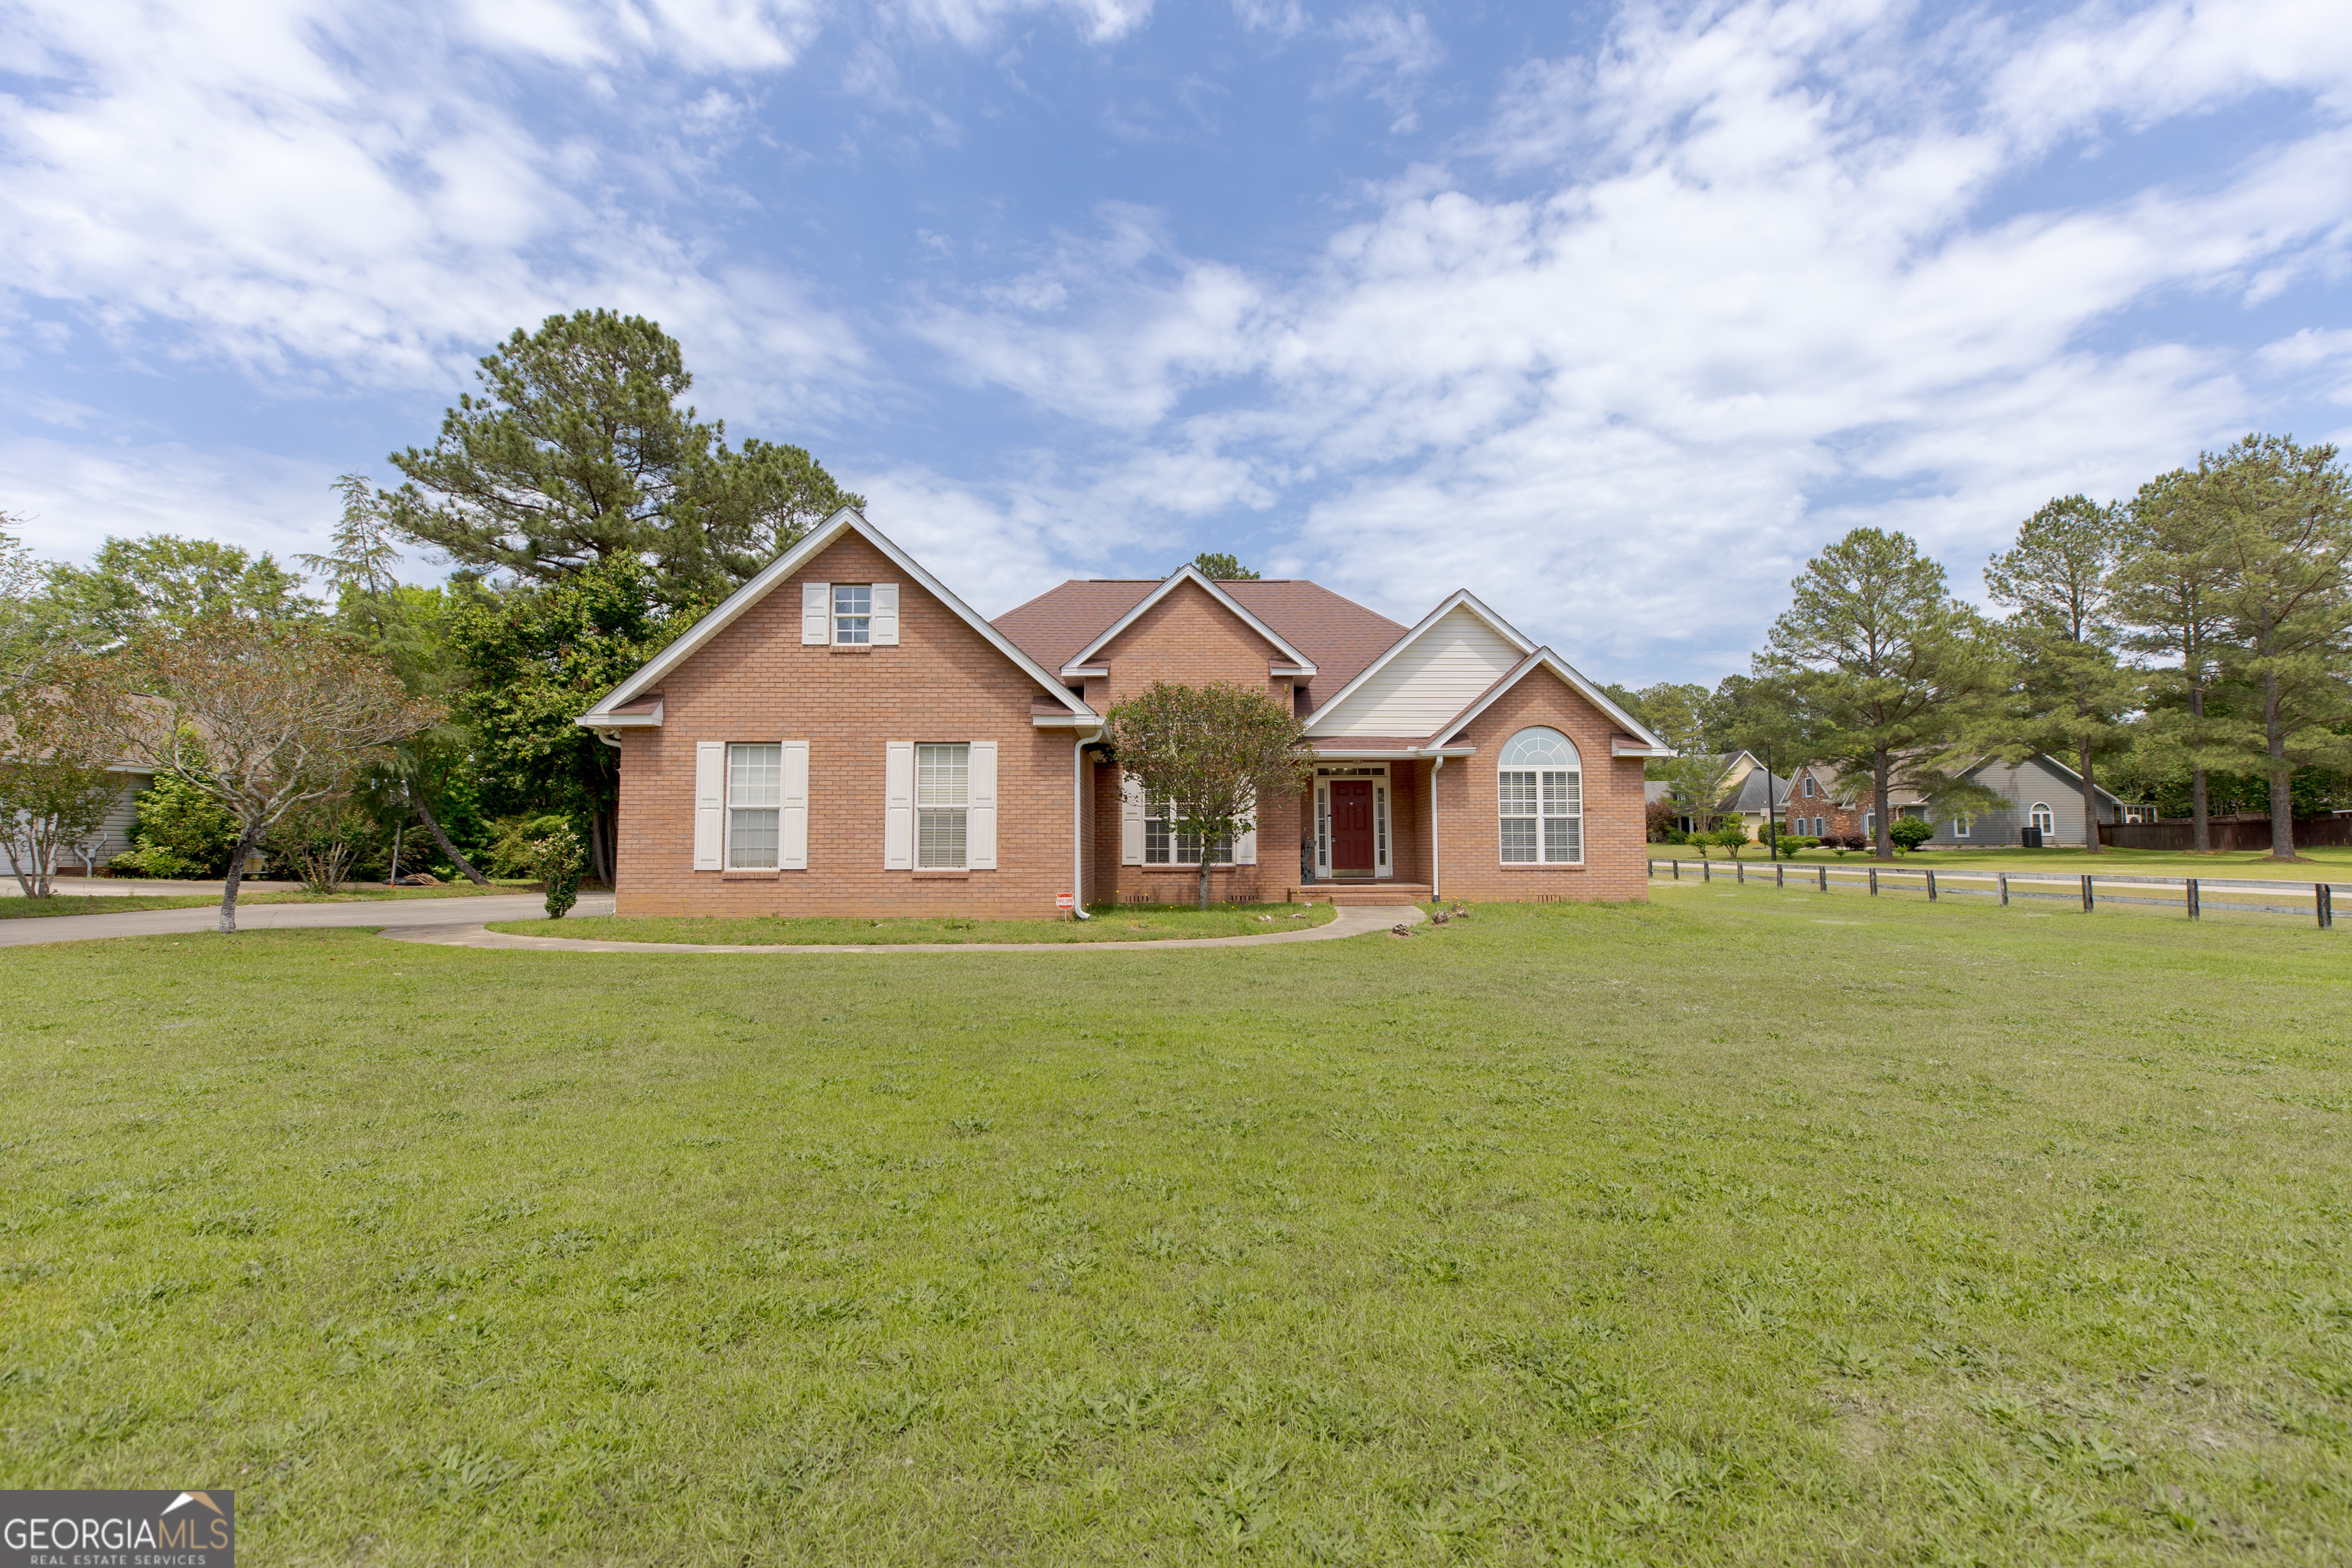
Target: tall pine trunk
x,y
2201,811
2090,800
1882,841
2282,774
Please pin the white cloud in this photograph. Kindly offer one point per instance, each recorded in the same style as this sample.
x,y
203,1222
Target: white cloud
x,y
286,187
1111,329
1753,295
69,496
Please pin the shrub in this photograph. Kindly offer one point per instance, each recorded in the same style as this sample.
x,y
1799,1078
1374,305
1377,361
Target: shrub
x,y
1911,832
555,860
513,852
180,832
321,839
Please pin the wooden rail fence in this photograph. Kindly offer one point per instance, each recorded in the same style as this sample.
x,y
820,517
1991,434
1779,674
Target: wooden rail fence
x,y
2190,895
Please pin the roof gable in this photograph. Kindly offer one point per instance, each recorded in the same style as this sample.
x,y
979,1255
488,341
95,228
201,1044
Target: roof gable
x,y
1645,744
782,569
2058,773
1183,574
1425,677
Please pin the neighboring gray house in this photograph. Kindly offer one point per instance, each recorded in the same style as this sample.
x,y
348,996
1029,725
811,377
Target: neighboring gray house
x,y
113,835
2041,792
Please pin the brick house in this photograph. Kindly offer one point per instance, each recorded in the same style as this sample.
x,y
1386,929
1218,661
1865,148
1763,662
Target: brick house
x,y
844,735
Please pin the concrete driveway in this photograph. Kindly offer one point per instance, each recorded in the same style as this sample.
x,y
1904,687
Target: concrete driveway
x,y
399,912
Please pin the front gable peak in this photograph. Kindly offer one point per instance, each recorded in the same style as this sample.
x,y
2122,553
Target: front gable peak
x,y
1295,662
848,519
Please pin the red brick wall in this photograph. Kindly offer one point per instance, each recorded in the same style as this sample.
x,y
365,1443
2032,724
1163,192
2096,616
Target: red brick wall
x,y
757,682
1470,864
1189,639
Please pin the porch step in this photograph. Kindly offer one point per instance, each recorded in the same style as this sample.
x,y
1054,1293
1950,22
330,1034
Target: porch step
x,y
1344,894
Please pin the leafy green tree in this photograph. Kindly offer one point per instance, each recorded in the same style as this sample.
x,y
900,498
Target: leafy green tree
x,y
1213,753
2073,696
2167,597
261,716
2278,517
1678,714
1219,567
1695,783
576,452
408,627
164,581
538,657
55,787
1894,675
34,632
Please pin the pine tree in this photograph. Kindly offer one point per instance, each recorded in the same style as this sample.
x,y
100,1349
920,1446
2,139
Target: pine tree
x,y
1895,676
2073,694
577,452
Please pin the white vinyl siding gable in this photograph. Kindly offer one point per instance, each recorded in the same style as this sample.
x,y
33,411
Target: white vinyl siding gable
x,y
1446,668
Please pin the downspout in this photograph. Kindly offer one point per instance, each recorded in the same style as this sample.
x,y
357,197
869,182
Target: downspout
x,y
1077,829
1433,828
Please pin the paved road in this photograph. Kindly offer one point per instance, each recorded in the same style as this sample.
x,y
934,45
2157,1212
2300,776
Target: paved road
x,y
1353,921
390,913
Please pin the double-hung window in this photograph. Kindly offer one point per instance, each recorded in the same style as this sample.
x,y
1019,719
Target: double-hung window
x,y
1540,788
942,802
853,612
754,792
1809,787
1165,844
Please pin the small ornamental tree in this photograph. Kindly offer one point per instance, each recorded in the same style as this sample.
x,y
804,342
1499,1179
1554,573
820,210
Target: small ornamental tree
x,y
261,717
1213,753
55,789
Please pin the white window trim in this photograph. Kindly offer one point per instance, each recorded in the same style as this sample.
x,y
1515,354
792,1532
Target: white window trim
x,y
1963,825
727,818
1542,859
2040,815
1377,774
964,862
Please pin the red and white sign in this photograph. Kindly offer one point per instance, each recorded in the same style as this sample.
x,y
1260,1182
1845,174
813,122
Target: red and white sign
x,y
1065,901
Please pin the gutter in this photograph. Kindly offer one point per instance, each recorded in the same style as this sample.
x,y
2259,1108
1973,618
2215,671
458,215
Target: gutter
x,y
1435,768
1078,828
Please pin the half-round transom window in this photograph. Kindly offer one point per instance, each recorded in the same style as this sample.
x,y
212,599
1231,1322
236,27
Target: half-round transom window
x,y
1540,748
1540,784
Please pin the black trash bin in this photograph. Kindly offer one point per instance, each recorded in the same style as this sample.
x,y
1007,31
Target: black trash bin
x,y
2030,837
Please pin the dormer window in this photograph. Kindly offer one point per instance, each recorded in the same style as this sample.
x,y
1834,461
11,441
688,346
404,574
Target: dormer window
x,y
853,612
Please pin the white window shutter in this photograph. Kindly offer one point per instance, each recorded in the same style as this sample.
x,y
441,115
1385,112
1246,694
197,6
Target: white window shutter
x,y
884,627
816,612
792,813
899,805
1130,822
979,811
709,802
1245,844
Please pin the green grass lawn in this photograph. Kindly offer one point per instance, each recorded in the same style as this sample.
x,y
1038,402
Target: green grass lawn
x,y
16,908
2330,864
1727,1228
1111,922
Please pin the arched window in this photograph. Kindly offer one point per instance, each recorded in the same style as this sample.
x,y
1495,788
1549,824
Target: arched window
x,y
1540,781
1809,787
2042,819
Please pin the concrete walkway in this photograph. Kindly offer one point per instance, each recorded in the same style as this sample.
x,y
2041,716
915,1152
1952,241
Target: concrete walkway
x,y
1351,920
390,913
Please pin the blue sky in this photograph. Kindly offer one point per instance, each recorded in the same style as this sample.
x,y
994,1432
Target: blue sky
x,y
1611,314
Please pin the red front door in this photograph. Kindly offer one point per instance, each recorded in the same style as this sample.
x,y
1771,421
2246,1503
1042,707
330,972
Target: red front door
x,y
1351,828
